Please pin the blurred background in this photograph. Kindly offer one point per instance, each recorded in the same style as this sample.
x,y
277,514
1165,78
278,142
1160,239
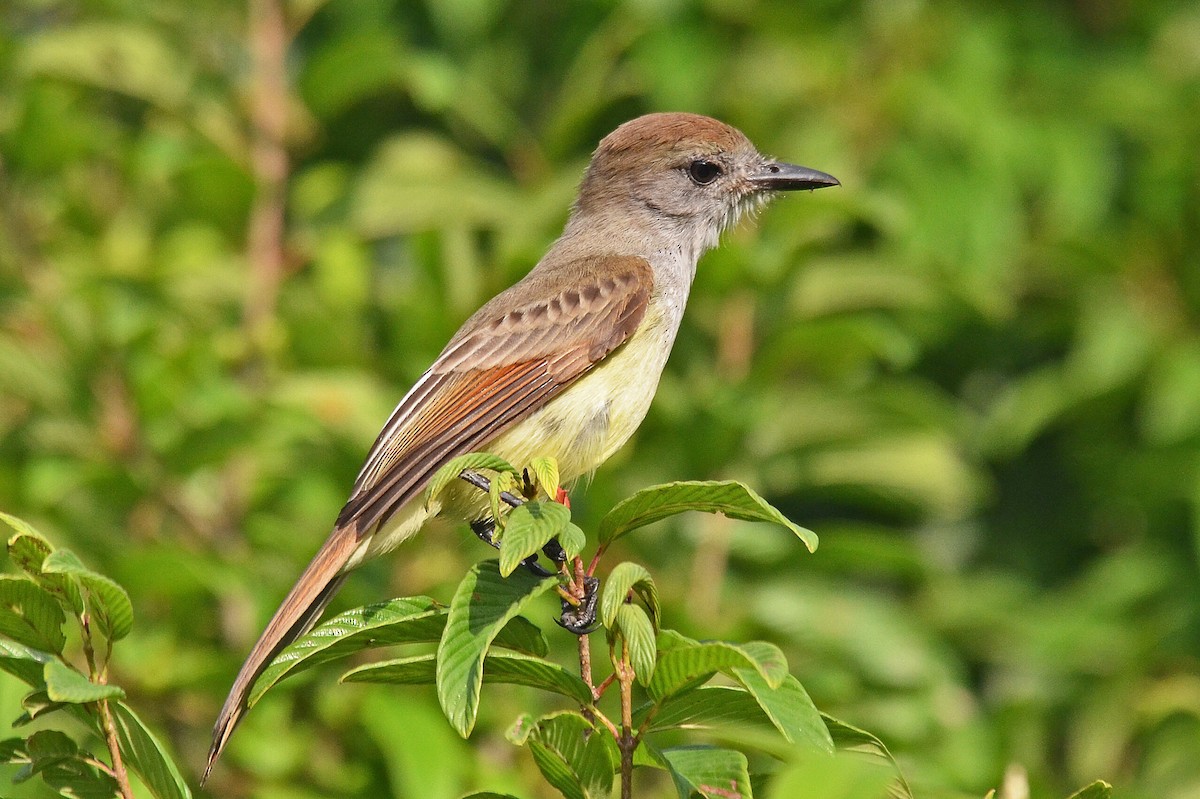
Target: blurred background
x,y
231,236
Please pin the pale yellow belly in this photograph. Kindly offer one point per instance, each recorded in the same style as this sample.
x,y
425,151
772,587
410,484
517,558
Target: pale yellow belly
x,y
580,428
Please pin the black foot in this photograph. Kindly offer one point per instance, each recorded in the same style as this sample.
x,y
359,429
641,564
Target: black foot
x,y
486,530
581,619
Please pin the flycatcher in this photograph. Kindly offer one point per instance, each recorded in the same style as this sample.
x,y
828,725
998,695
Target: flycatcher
x,y
564,363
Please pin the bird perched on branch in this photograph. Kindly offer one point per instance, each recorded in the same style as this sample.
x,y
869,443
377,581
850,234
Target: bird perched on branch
x,y
562,364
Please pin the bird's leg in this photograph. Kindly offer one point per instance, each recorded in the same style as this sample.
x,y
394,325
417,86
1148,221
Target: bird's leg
x,y
485,529
578,611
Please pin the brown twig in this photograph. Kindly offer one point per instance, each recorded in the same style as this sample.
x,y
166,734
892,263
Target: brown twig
x,y
626,743
268,161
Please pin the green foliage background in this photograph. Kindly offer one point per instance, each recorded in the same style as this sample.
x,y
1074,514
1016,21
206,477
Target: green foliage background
x,y
974,369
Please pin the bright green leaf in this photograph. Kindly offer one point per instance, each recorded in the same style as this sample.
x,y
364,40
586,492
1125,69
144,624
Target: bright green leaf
x,y
482,605
638,631
406,620
529,528
472,460
735,500
789,708
1097,790
64,684
575,757
572,539
682,664
545,470
711,772
621,580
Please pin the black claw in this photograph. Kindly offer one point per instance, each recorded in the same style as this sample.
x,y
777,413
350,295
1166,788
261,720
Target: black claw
x,y
486,530
538,569
581,619
554,551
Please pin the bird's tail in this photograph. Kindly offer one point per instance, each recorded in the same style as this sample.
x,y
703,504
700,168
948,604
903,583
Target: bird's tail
x,y
299,611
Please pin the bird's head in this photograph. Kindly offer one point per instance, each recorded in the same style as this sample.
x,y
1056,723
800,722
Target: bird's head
x,y
688,175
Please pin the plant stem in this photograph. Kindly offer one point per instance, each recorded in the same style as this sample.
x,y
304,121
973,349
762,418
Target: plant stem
x,y
114,750
627,743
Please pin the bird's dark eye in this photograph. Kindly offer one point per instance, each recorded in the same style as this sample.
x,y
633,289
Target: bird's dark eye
x,y
703,172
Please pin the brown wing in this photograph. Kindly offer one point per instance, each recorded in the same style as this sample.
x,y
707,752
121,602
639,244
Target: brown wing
x,y
497,370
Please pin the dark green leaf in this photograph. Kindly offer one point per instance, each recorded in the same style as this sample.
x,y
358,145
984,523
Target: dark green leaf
x,y
707,707
498,667
472,460
406,620
528,528
108,603
64,684
22,662
637,630
789,708
37,704
146,755
29,549
482,605
575,757
711,772
29,615
735,500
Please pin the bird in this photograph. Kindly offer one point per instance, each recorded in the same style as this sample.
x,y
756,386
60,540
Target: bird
x,y
564,363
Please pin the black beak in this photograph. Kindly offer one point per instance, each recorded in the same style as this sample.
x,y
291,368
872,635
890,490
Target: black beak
x,y
774,176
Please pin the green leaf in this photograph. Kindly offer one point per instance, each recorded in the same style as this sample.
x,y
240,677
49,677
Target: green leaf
x,y
397,621
23,663
498,667
456,466
529,527
682,664
706,707
489,795
30,615
789,708
406,620
638,631
146,755
621,580
572,539
27,547
735,500
108,603
64,684
482,605
545,470
844,777
36,703
1097,790
711,772
847,736
575,757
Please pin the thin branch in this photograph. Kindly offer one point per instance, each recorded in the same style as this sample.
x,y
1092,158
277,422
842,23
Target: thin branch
x,y
114,750
268,161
